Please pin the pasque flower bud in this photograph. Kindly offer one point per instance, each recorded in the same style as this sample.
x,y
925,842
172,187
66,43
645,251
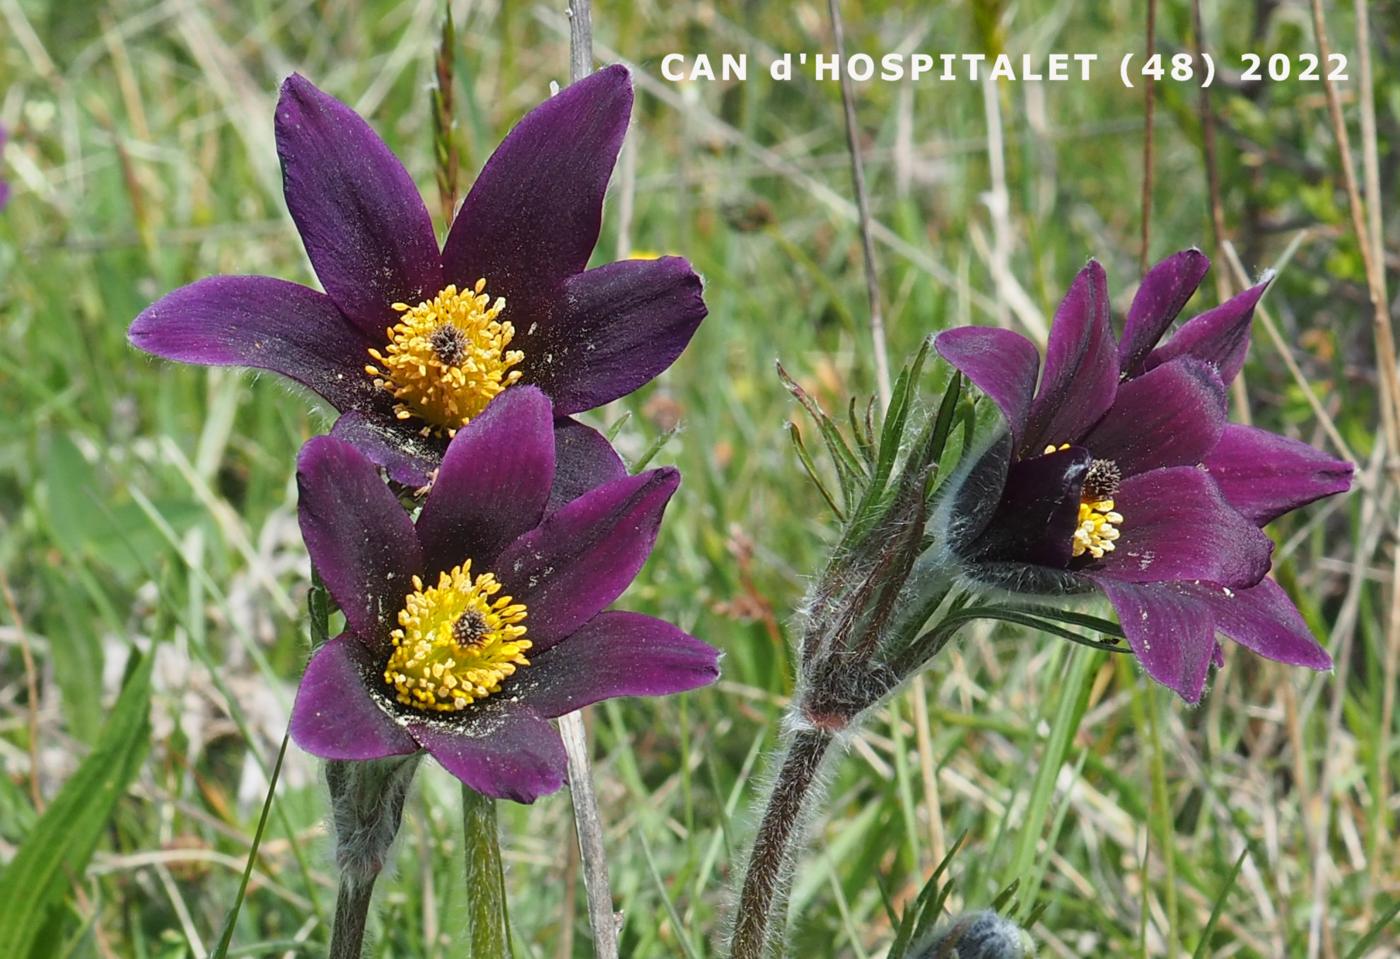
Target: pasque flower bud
x,y
873,595
977,935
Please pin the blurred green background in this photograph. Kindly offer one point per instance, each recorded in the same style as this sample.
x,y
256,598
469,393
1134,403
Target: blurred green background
x,y
150,507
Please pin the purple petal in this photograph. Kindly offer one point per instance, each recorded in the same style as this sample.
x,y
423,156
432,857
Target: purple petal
x,y
360,216
615,654
1263,619
1173,635
494,482
266,324
1177,526
1170,416
583,461
613,329
501,750
1038,512
1000,363
1220,336
1164,291
334,715
407,456
532,217
1081,366
581,558
360,539
975,491
1265,475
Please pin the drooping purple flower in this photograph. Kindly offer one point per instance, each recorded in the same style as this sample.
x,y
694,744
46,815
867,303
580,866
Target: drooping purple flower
x,y
410,343
1120,473
467,630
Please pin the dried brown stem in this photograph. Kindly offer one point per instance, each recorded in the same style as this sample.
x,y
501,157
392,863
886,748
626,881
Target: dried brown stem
x,y
580,39
1217,211
1149,107
587,821
867,245
1370,159
1375,275
1367,230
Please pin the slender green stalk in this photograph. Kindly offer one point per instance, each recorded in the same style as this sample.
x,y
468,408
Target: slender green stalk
x,y
488,923
1064,718
1161,814
226,937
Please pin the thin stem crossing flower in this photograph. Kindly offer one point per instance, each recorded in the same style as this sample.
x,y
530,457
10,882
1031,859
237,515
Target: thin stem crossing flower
x,y
411,343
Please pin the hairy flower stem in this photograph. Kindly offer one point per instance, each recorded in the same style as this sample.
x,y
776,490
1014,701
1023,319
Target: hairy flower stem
x,y
769,875
351,912
487,922
367,800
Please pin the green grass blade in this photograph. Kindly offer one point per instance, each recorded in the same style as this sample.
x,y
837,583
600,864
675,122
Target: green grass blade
x,y
61,843
1068,709
682,936
1362,948
654,447
220,949
1219,906
810,468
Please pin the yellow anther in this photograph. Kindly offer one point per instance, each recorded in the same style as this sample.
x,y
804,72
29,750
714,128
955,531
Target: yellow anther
x,y
456,642
1098,522
1098,528
446,358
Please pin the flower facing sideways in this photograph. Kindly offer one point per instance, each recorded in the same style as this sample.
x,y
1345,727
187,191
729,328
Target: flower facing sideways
x,y
467,630
1120,473
409,343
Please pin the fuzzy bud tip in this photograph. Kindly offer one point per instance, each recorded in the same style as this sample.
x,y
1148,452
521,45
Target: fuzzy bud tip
x,y
977,935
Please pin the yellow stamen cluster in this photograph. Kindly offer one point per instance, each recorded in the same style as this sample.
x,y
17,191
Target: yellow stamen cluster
x,y
447,358
456,642
1098,528
1098,521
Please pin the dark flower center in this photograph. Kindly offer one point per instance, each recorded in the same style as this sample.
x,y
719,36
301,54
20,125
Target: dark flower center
x,y
456,643
448,343
1102,481
470,628
447,358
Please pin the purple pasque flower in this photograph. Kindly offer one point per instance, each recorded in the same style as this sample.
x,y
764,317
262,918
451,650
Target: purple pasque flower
x,y
467,630
410,343
1120,473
